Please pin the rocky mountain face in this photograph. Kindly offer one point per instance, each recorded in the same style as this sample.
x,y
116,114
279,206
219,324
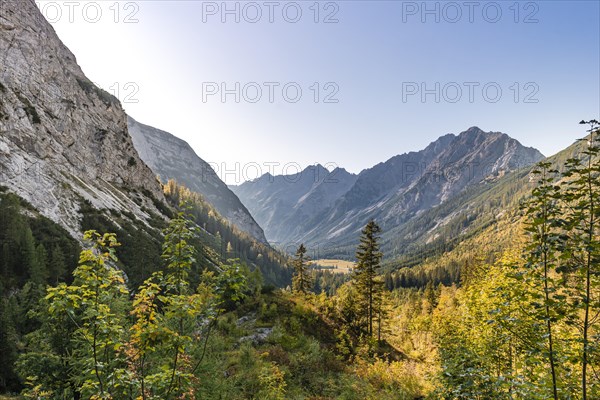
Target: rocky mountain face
x,y
62,139
393,193
286,205
172,158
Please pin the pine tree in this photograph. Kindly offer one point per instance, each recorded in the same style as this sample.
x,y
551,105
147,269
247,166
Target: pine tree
x,y
6,261
365,277
382,308
8,345
430,296
389,282
301,281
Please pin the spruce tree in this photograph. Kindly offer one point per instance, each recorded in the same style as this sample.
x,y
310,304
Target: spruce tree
x,y
6,263
369,285
41,256
301,281
8,345
430,297
29,257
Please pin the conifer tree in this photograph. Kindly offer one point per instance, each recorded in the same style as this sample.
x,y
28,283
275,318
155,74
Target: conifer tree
x,y
369,285
382,308
8,344
56,267
6,261
430,296
29,257
41,257
301,281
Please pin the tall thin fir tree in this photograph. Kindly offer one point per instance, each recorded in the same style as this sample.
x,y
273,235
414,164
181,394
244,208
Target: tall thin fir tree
x,y
365,278
383,312
582,196
301,281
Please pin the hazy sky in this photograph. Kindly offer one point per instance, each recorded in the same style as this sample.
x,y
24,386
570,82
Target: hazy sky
x,y
377,78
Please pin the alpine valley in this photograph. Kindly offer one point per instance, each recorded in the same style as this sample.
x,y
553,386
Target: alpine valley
x,y
130,270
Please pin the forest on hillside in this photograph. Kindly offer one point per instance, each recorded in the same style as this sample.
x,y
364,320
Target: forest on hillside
x,y
203,320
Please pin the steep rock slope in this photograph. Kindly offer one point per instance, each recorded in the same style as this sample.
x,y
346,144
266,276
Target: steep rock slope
x,y
172,158
285,205
484,219
62,139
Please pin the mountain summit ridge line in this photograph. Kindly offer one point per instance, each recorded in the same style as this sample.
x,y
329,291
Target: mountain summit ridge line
x,y
391,191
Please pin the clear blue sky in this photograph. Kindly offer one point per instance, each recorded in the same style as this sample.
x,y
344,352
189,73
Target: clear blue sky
x,y
380,55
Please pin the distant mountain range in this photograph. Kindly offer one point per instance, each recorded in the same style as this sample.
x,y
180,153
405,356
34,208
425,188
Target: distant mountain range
x,y
286,205
327,210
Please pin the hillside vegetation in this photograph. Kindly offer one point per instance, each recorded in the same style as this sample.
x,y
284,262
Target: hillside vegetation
x,y
509,310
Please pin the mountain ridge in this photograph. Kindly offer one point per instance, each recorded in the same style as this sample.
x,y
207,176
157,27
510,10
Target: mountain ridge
x,y
173,158
296,198
393,191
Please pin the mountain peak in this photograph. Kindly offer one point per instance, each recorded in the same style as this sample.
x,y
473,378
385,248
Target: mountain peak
x,y
477,133
316,168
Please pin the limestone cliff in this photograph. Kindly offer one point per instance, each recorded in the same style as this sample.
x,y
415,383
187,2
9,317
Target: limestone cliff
x,y
62,139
